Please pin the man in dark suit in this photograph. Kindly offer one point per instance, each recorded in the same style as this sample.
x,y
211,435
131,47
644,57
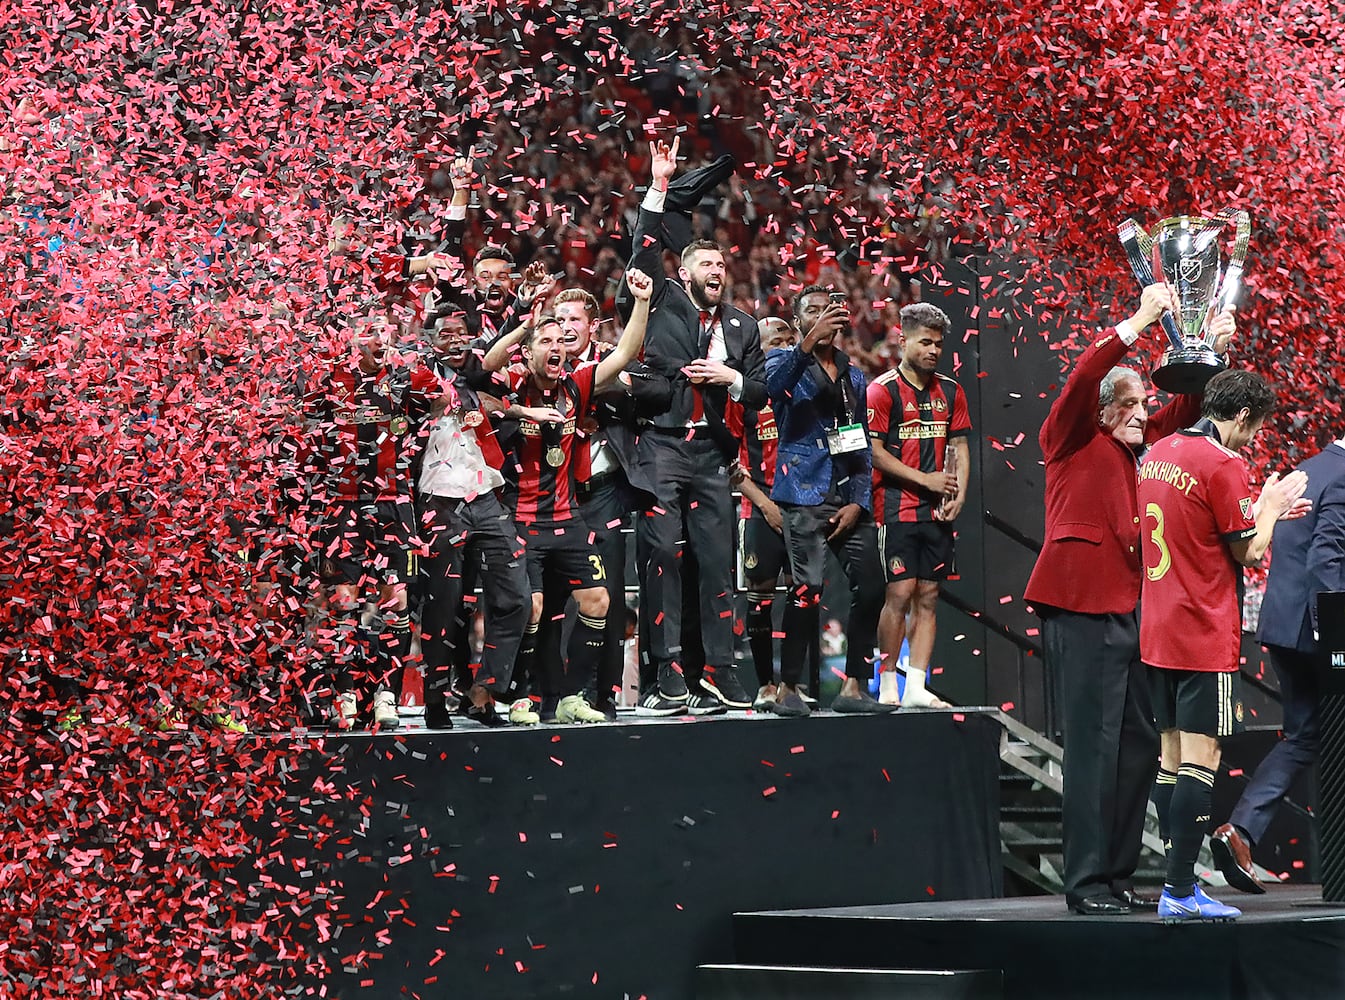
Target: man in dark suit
x,y
711,352
1086,587
1308,557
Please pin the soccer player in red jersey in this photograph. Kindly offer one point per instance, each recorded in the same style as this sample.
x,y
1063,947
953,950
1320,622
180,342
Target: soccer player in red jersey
x,y
549,403
608,481
367,415
919,424
1200,526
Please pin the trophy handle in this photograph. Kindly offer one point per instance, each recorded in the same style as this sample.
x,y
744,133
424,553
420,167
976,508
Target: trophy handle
x,y
1138,246
1242,236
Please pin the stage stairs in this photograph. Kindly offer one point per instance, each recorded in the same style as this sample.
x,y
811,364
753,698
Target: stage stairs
x,y
1030,819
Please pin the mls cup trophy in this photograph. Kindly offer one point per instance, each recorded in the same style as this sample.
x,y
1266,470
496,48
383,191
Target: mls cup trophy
x,y
1184,253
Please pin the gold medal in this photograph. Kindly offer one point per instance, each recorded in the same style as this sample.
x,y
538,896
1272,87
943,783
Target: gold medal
x,y
555,456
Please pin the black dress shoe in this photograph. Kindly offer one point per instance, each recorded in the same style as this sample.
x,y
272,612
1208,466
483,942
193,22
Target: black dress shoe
x,y
1099,906
485,714
438,717
1133,899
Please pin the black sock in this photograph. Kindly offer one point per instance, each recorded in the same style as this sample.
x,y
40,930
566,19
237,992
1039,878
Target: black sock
x,y
524,661
1190,817
395,642
345,650
761,637
587,639
1164,783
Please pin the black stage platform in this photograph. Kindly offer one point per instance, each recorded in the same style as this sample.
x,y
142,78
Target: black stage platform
x,y
607,861
1279,948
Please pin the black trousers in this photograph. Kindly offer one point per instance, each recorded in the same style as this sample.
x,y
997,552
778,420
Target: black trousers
x,y
806,530
692,511
1111,746
1300,693
479,533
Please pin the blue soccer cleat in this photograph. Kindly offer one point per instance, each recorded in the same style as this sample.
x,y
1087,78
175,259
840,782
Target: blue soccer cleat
x,y
1197,906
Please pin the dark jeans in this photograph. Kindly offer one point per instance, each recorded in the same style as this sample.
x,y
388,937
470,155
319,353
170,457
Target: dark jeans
x,y
1301,697
806,531
480,533
1111,746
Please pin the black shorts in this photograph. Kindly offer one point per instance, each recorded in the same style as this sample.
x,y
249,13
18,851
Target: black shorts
x,y
561,558
919,550
762,550
369,540
1197,701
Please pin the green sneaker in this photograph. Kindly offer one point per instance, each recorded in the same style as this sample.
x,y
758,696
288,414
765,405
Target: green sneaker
x,y
574,709
69,721
221,718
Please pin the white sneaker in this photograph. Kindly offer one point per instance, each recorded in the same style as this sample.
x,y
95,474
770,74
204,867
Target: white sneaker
x,y
573,708
521,713
385,711
887,688
346,708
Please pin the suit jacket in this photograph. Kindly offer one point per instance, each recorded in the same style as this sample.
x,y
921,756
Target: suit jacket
x,y
806,410
1307,556
1090,559
618,407
672,339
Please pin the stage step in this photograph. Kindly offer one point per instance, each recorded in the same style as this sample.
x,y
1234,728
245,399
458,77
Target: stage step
x,y
1030,813
784,982
1287,944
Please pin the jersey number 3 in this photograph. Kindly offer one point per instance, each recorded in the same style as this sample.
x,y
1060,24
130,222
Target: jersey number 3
x,y
1160,569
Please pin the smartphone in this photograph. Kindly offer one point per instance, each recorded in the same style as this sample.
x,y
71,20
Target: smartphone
x,y
837,298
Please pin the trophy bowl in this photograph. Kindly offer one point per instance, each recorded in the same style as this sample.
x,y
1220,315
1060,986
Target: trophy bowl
x,y
1184,253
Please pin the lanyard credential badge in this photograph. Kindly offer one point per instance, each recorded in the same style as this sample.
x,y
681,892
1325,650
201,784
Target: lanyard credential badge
x,y
844,440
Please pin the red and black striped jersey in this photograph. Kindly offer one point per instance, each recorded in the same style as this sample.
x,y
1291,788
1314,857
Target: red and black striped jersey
x,y
1195,498
915,425
541,466
367,428
758,440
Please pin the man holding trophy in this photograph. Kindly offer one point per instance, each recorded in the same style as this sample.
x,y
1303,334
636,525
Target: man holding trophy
x,y
1086,583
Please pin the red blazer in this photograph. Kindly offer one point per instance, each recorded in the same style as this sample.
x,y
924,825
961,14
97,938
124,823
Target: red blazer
x,y
1090,561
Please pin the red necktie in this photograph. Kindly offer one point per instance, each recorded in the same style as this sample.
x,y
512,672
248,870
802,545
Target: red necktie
x,y
703,343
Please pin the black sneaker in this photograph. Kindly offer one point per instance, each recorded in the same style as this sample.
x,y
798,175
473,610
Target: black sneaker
x,y
723,683
671,684
654,704
705,704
